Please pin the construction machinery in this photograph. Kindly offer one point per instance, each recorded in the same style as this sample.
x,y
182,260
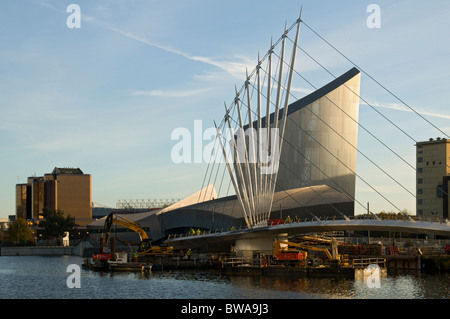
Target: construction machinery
x,y
145,246
282,251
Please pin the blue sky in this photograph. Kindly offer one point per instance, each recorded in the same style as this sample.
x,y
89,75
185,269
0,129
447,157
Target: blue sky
x,y
106,97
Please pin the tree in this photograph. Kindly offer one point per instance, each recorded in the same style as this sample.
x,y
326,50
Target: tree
x,y
55,224
19,232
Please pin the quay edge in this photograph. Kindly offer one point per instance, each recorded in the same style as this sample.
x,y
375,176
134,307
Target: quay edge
x,y
36,251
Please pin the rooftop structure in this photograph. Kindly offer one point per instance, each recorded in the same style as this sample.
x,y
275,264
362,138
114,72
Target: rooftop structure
x,y
66,170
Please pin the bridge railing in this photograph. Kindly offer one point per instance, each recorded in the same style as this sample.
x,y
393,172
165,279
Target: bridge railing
x,y
423,219
206,232
365,262
429,219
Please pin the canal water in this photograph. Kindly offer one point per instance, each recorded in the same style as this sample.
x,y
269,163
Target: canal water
x,y
33,277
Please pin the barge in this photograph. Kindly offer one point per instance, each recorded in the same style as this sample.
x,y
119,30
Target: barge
x,y
103,262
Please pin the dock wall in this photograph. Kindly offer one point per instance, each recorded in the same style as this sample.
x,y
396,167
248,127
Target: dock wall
x,y
36,251
77,250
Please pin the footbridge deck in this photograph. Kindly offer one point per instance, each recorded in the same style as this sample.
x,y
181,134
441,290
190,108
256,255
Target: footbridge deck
x,y
440,227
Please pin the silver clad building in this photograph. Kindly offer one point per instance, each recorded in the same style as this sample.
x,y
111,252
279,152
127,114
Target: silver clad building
x,y
316,173
321,137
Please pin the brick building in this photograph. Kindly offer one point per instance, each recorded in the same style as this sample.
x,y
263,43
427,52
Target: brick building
x,y
66,189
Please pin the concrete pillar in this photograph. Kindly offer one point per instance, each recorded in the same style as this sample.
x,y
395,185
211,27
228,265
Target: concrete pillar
x,y
245,247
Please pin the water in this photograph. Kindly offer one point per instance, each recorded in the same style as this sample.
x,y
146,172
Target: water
x,y
46,278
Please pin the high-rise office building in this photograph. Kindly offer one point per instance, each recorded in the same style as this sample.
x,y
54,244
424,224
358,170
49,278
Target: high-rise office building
x,y
433,175
23,201
66,189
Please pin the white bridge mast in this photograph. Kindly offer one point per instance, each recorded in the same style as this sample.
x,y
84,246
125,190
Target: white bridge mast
x,y
256,146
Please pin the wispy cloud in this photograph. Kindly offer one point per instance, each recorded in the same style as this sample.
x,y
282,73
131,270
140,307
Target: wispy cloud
x,y
170,93
84,17
301,90
234,68
400,107
48,5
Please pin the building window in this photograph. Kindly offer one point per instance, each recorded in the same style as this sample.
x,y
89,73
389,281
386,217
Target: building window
x,y
419,201
420,160
420,212
420,181
420,170
420,191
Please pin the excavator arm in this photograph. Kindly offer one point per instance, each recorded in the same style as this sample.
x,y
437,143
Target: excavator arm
x,y
119,220
302,246
145,246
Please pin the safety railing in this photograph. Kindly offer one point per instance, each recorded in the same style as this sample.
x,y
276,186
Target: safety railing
x,y
234,261
365,262
398,217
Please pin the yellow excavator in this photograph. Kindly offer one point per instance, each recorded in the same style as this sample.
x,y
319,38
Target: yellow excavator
x,y
145,246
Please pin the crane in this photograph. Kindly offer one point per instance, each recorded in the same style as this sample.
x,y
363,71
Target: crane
x,y
145,246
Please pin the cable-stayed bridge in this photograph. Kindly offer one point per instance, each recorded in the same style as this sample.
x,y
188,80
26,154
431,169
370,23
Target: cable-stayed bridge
x,y
270,142
417,225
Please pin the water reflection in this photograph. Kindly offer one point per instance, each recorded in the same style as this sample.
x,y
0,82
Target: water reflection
x,y
405,286
302,287
45,277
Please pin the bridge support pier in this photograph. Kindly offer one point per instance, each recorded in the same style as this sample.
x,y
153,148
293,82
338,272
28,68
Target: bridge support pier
x,y
246,247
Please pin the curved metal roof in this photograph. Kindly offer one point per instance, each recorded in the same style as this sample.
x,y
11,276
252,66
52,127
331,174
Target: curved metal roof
x,y
288,199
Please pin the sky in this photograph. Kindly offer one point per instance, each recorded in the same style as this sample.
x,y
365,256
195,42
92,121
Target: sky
x,y
105,97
